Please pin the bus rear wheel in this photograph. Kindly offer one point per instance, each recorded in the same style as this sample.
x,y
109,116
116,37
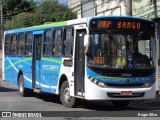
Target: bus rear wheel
x,y
65,97
120,103
22,91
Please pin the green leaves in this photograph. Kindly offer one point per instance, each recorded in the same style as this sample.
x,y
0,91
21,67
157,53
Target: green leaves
x,y
34,13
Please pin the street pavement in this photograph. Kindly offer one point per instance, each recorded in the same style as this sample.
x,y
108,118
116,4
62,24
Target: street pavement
x,y
49,106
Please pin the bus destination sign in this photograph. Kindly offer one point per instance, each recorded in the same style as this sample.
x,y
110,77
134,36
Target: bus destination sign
x,y
121,24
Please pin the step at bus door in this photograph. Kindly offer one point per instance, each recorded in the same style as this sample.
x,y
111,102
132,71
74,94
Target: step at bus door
x,y
79,72
36,68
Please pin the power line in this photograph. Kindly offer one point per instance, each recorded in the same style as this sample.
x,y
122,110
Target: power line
x,y
31,14
25,9
145,11
48,7
141,7
45,8
116,6
38,10
94,7
19,11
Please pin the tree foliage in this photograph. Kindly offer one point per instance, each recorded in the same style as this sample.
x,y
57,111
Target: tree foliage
x,y
11,7
35,14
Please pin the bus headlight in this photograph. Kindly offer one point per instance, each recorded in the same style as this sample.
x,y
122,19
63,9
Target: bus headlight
x,y
148,84
101,84
98,83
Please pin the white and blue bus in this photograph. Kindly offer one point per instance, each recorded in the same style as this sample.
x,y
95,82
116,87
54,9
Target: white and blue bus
x,y
96,58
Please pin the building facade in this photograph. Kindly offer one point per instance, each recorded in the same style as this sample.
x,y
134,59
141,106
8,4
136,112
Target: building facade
x,y
145,8
99,7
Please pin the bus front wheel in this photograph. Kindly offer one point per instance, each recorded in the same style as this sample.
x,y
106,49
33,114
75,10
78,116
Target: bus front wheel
x,y
65,97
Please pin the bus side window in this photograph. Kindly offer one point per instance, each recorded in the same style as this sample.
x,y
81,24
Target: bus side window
x,y
13,49
48,43
7,45
57,42
28,44
68,42
20,44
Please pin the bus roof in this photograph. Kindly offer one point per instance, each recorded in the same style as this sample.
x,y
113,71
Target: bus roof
x,y
64,23
118,17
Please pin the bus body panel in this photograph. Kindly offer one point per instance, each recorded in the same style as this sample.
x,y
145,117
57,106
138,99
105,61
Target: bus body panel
x,y
51,69
101,93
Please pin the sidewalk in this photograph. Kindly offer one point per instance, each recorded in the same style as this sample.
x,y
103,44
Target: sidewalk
x,y
7,84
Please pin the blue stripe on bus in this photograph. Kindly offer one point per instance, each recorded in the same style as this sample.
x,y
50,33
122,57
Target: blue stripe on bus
x,y
120,80
49,70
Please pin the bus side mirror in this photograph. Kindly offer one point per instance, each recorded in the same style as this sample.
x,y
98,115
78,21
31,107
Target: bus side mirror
x,y
86,40
86,43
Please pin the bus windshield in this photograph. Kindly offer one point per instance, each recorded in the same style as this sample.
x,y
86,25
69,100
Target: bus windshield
x,y
120,50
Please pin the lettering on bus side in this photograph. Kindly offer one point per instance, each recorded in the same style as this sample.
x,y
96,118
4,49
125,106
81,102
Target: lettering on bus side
x,y
128,25
20,66
50,67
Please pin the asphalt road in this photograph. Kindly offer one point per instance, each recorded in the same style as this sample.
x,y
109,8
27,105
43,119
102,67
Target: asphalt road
x,y
48,105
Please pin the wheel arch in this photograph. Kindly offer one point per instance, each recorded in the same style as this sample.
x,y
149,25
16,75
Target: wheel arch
x,y
62,79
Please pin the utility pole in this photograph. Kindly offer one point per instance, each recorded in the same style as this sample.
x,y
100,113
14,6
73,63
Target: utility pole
x,y
128,7
1,24
156,27
155,8
157,45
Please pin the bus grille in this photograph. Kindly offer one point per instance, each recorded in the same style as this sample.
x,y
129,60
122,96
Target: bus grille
x,y
118,95
124,85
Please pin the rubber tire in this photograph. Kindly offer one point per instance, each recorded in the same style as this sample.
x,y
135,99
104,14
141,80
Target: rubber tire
x,y
73,101
120,103
22,91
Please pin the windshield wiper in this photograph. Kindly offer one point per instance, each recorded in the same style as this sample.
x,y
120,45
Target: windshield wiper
x,y
114,39
139,36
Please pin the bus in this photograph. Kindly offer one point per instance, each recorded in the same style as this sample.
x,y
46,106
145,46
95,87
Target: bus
x,y
96,58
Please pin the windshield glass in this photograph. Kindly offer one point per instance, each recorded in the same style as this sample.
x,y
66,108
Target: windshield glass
x,y
120,51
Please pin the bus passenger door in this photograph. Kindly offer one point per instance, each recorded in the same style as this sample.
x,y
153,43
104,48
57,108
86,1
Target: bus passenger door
x,y
36,76
79,73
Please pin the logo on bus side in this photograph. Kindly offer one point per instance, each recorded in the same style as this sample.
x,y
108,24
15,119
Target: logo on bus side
x,y
20,66
50,67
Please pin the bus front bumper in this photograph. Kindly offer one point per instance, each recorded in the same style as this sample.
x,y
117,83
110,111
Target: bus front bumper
x,y
94,92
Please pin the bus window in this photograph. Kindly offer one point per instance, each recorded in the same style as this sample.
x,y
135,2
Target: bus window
x,y
7,40
28,44
57,43
20,47
7,45
13,49
48,43
67,42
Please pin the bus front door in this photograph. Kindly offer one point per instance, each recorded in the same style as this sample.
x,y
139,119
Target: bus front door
x,y
79,63
37,43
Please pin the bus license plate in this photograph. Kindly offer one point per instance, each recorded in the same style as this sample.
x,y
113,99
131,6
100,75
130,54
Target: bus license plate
x,y
126,93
